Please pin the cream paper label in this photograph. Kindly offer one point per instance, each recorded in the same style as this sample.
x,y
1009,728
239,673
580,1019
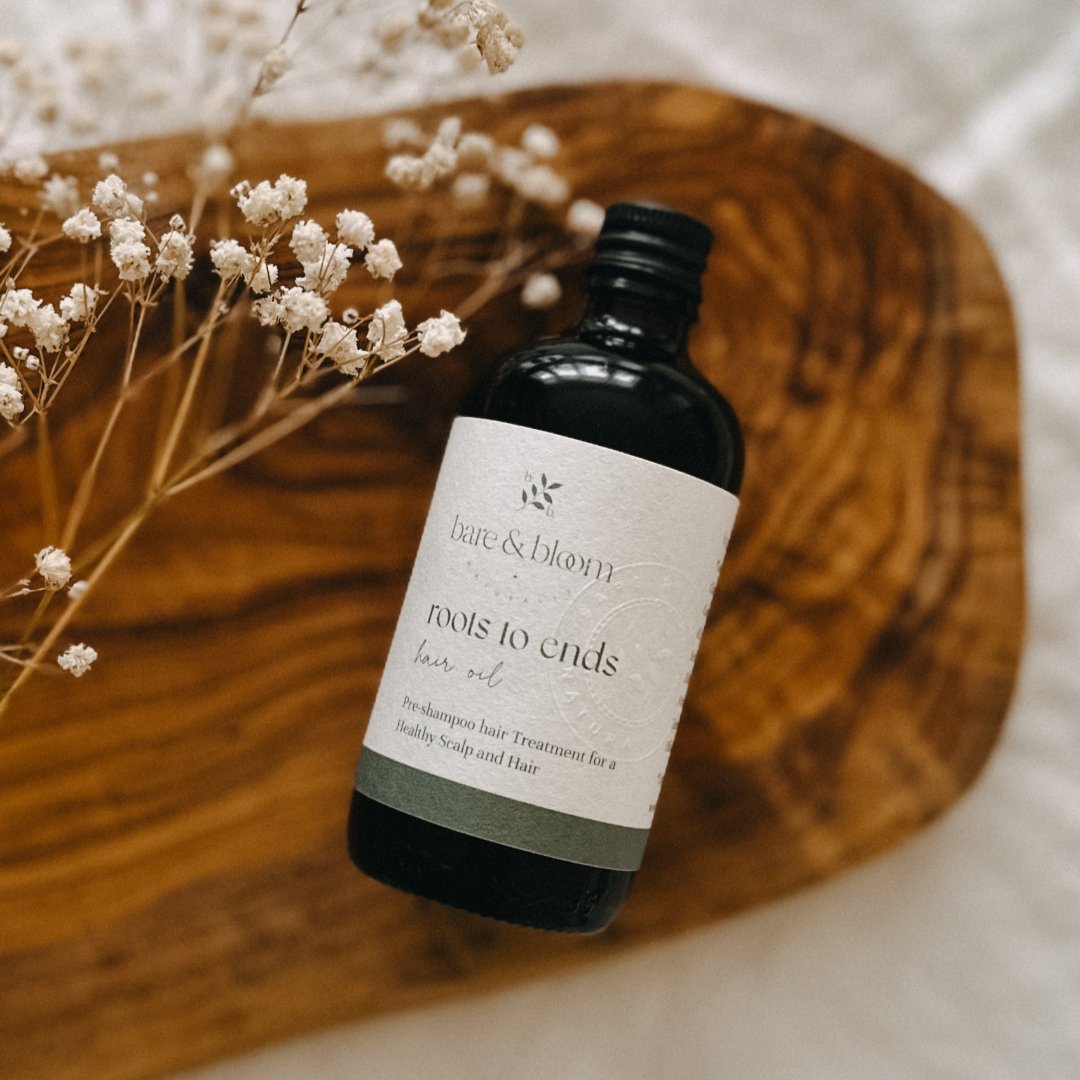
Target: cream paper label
x,y
547,636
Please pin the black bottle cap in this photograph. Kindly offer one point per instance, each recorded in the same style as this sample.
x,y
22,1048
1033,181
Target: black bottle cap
x,y
647,242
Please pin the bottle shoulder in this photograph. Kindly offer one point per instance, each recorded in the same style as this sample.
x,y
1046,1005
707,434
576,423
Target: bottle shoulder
x,y
657,411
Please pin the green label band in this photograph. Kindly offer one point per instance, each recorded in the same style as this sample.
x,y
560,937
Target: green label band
x,y
495,817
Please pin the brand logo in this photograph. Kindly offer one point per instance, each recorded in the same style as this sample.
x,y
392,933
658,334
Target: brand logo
x,y
539,497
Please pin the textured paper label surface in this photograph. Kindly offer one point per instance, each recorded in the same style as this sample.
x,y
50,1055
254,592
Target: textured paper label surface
x,y
545,643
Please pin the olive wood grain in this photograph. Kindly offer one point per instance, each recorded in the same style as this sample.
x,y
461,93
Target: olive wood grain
x,y
174,885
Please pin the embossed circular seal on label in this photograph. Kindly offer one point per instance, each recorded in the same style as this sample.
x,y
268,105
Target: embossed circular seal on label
x,y
642,612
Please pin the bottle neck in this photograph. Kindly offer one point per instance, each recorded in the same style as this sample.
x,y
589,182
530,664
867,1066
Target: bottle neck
x,y
651,328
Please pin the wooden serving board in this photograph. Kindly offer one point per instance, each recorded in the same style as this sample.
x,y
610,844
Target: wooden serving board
x,y
174,885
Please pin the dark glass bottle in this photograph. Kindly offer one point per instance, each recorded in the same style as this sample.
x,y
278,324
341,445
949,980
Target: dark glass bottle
x,y
620,378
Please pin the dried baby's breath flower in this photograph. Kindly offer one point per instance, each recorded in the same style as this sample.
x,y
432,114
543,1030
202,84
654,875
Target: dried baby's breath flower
x,y
79,304
78,589
261,278
585,218
386,331
449,130
302,310
112,198
475,150
338,345
275,63
441,334
49,329
410,173
355,228
17,305
175,255
128,252
471,189
77,659
382,260
5,240
541,291
60,195
498,46
267,204
326,273
308,240
83,226
540,141
108,162
440,159
30,170
11,400
543,185
54,566
230,259
215,166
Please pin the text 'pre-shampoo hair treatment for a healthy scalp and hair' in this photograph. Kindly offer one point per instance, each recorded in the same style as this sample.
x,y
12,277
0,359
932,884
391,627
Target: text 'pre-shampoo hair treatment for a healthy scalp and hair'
x,y
519,737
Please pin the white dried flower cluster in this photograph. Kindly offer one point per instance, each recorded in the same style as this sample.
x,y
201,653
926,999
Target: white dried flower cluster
x,y
274,64
230,259
112,198
441,334
128,249
77,659
60,195
271,204
5,240
382,259
293,309
54,566
82,226
585,218
417,172
29,170
541,291
338,344
11,399
387,332
476,159
79,304
176,253
497,40
20,308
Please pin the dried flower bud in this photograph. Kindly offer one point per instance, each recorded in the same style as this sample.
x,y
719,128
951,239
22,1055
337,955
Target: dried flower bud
x,y
275,63
29,170
83,226
49,329
382,260
440,335
410,173
79,304
387,332
78,589
54,566
77,659
475,150
471,189
60,195
230,259
540,141
175,255
11,400
5,240
355,228
585,218
541,291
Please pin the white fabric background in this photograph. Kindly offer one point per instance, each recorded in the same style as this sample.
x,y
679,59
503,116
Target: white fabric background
x,y
958,955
